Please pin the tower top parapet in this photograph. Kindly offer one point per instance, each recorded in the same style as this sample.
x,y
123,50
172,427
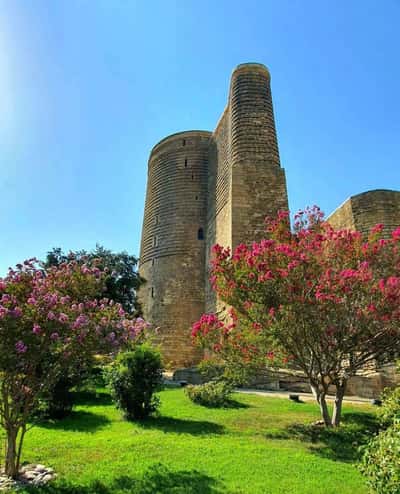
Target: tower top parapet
x,y
251,66
182,134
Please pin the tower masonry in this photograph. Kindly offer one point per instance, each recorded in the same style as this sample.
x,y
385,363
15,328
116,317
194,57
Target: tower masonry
x,y
363,211
205,188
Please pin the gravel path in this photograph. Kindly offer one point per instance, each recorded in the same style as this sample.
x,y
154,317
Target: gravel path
x,y
302,396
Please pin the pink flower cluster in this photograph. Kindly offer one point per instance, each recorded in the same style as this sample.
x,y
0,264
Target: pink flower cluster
x,y
340,279
59,309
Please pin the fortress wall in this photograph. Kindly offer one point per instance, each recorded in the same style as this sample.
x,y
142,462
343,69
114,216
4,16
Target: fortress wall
x,y
363,211
376,206
219,218
172,257
343,217
258,181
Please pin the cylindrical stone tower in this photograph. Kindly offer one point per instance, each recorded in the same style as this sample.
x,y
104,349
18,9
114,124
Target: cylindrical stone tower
x,y
253,137
258,181
172,257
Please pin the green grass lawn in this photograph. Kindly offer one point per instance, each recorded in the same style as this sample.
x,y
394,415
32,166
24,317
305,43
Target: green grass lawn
x,y
259,445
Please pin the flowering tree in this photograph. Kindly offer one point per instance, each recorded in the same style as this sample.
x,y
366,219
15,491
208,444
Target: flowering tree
x,y
50,321
121,283
321,301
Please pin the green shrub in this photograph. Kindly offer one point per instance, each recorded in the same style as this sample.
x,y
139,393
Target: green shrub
x,y
58,402
390,409
212,394
211,369
236,373
133,379
381,461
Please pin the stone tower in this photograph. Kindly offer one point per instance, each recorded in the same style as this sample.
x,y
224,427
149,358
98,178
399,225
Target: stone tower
x,y
363,211
205,188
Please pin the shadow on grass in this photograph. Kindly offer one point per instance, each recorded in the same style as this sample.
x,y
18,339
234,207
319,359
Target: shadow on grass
x,y
182,426
79,421
341,443
157,479
92,398
230,404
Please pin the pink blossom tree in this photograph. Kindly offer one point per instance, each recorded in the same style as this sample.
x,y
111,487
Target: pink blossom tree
x,y
49,322
321,301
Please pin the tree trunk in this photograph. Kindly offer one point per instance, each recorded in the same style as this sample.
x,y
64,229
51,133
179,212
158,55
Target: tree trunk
x,y
11,466
337,406
21,440
321,399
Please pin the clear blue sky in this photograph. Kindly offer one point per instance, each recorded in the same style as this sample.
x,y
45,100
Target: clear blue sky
x,y
88,87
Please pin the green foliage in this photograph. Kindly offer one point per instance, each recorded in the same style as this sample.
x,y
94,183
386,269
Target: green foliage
x,y
381,461
211,369
121,284
58,402
390,409
212,394
123,279
231,371
133,379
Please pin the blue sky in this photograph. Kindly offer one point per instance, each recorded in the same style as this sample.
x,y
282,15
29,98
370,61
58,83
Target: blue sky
x,y
88,87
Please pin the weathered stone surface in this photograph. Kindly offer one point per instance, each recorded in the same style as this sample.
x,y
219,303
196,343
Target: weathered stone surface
x,y
191,375
363,211
205,188
172,258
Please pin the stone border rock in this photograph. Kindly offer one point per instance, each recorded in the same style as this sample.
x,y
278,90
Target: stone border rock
x,y
29,474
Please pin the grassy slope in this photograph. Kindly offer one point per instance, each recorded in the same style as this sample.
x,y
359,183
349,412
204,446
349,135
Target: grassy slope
x,y
255,447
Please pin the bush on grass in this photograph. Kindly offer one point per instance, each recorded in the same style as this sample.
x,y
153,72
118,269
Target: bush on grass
x,y
390,409
133,379
381,461
212,394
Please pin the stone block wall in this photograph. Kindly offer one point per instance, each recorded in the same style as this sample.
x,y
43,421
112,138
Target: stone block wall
x,y
363,211
258,181
172,257
224,183
246,181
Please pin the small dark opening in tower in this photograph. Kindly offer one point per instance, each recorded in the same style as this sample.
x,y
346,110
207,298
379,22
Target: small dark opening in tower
x,y
192,176
152,262
197,197
185,162
152,292
183,142
200,234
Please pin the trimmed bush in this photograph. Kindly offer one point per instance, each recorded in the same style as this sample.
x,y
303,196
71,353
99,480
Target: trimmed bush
x,y
212,394
133,379
381,461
